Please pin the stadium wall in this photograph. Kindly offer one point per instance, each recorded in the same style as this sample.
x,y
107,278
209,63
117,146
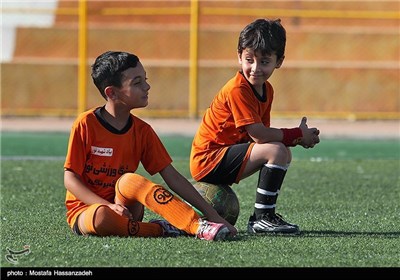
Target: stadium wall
x,y
338,65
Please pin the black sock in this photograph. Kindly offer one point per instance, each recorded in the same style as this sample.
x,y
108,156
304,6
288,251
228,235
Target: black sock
x,y
269,183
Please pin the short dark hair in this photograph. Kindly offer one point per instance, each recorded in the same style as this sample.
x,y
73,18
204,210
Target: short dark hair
x,y
107,69
267,36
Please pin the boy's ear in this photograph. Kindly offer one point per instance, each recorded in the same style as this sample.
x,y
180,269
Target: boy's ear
x,y
239,57
279,62
109,91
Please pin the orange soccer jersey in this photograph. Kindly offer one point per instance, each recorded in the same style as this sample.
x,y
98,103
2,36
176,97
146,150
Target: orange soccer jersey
x,y
100,156
235,106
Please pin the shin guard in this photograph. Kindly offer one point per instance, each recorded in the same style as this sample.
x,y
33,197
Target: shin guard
x,y
158,199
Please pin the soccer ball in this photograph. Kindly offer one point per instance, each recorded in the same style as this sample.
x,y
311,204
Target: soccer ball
x,y
222,198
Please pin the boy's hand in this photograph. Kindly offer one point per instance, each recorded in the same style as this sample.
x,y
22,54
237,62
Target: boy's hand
x,y
310,135
121,210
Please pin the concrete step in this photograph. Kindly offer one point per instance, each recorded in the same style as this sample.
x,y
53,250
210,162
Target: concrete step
x,y
237,13
306,44
39,88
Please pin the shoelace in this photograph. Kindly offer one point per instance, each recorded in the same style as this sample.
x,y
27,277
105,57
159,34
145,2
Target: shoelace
x,y
204,227
277,218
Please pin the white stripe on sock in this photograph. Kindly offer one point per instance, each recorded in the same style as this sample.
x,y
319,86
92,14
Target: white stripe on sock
x,y
264,192
263,206
270,165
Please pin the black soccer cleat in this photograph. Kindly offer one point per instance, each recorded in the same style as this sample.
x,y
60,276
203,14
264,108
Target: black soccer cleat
x,y
270,223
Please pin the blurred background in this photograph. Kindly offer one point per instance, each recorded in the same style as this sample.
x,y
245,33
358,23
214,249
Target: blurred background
x,y
342,57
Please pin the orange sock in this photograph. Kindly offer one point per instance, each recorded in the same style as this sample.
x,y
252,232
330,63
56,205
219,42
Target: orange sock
x,y
102,221
131,186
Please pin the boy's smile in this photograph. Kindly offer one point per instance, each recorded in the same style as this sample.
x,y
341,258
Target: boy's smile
x,y
258,68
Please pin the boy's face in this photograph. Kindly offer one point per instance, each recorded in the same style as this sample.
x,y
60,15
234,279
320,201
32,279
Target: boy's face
x,y
257,68
134,90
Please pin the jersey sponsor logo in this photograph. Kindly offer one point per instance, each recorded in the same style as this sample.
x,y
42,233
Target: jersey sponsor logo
x,y
104,152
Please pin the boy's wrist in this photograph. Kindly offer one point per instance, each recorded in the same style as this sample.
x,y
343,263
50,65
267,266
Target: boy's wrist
x,y
291,136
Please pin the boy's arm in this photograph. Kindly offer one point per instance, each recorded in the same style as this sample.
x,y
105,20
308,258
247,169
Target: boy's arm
x,y
307,137
180,185
262,134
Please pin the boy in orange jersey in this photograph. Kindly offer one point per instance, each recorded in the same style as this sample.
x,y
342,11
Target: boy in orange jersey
x,y
235,140
104,196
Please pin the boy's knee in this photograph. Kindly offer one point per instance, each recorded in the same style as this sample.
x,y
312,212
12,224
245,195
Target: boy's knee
x,y
103,212
131,188
91,217
281,147
277,152
106,222
132,180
